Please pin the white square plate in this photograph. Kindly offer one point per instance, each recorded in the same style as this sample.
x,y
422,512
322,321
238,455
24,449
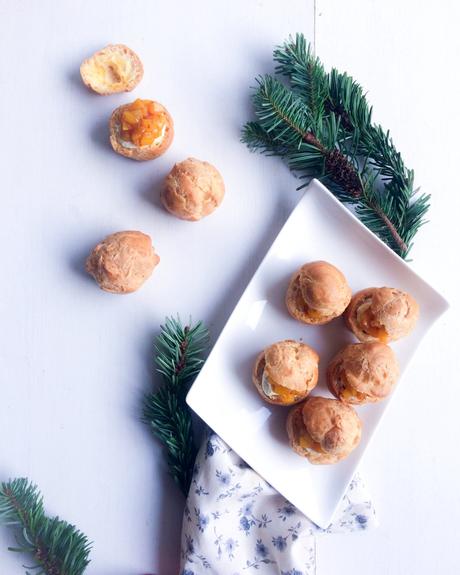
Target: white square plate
x,y
319,228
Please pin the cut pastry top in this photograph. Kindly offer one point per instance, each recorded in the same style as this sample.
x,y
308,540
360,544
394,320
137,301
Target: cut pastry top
x,y
115,68
318,292
381,314
324,287
336,427
291,364
323,430
363,373
285,372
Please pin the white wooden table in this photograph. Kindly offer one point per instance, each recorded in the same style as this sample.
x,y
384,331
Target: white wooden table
x,y
74,361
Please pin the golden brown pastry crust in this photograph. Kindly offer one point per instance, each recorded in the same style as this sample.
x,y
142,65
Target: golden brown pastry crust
x,y
368,370
115,68
290,364
317,293
122,261
388,312
140,153
332,428
193,189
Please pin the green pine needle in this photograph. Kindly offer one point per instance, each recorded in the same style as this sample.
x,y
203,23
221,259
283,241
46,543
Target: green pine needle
x,y
179,351
321,124
308,79
56,547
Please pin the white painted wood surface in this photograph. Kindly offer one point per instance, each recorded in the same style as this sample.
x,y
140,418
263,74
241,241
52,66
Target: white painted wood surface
x,y
74,361
406,56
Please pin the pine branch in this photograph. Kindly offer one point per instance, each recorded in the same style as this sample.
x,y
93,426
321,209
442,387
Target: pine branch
x,y
306,73
179,351
284,123
347,101
258,139
321,124
281,115
406,214
56,547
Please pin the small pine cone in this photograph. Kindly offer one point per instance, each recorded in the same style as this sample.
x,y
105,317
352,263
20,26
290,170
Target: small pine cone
x,y
341,170
339,111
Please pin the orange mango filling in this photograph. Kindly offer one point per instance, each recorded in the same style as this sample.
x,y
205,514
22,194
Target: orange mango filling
x,y
142,123
286,395
306,442
315,314
349,393
312,313
378,332
280,392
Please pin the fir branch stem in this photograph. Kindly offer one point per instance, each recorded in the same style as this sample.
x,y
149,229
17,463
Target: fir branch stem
x,y
310,138
306,136
403,247
183,352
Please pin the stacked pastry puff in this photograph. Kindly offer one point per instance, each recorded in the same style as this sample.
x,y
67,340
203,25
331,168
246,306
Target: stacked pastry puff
x,y
326,430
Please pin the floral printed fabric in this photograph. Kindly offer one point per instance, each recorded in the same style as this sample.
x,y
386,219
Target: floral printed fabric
x,y
235,523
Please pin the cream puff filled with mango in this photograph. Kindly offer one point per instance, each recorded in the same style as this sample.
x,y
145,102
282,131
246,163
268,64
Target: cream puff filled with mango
x,y
317,293
285,372
323,430
363,373
381,314
142,130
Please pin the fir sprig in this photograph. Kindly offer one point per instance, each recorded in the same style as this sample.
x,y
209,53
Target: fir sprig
x,y
179,351
55,546
321,124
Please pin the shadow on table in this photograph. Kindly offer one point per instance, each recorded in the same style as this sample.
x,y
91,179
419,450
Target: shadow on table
x,y
167,547
99,135
77,260
149,190
74,79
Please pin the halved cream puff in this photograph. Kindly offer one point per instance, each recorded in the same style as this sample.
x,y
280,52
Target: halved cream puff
x,y
381,314
317,293
142,130
115,68
285,372
323,430
363,373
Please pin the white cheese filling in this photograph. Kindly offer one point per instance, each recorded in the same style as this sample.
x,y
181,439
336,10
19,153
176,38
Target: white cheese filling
x,y
267,387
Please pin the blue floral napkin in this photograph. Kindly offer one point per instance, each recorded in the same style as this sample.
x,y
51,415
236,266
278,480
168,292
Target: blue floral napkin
x,y
235,523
